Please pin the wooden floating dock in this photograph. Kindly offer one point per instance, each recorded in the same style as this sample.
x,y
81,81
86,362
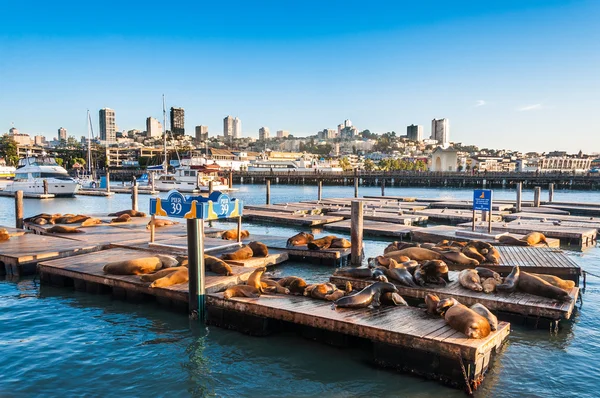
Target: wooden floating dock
x,y
90,192
13,231
384,216
405,338
468,205
579,209
289,208
29,195
453,216
289,219
522,304
375,228
554,219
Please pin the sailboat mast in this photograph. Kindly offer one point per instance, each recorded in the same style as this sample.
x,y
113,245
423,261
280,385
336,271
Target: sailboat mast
x,y
89,144
165,134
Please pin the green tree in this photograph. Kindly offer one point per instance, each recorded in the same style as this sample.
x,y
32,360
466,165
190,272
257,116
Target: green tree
x,y
59,161
8,150
369,165
345,164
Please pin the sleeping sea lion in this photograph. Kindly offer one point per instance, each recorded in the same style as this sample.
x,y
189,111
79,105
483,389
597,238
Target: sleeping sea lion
x,y
45,216
533,238
241,291
180,275
217,265
121,218
340,243
414,253
167,261
511,241
130,213
324,291
386,261
72,220
469,278
482,247
254,278
400,275
533,285
379,275
493,256
459,258
472,252
159,223
4,235
556,281
466,321
432,301
395,246
370,295
487,314
352,272
432,271
159,274
39,221
485,273
322,243
428,245
243,253
136,266
510,282
296,284
271,286
61,229
231,234
91,221
300,239
489,285
259,249
392,299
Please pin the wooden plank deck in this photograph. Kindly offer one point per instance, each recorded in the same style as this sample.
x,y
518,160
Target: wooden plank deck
x,y
334,204
14,231
580,209
453,216
290,208
468,205
289,219
519,303
375,228
384,216
548,217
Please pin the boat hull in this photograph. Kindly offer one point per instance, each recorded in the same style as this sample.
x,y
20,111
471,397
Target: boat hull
x,y
58,188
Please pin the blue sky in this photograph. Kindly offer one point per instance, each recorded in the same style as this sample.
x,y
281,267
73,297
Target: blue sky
x,y
508,74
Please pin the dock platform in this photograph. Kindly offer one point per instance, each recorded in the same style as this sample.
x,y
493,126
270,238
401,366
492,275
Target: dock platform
x,y
375,228
384,216
304,220
453,216
29,195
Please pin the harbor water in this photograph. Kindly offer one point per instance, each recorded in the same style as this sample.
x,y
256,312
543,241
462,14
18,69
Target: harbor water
x,y
58,342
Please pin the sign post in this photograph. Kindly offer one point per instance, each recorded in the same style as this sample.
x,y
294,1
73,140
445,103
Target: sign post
x,y
196,209
482,200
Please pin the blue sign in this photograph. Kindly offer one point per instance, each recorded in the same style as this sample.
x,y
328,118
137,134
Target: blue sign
x,y
482,199
217,205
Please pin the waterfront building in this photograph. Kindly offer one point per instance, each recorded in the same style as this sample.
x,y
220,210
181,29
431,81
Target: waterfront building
x,y
108,126
201,133
177,122
154,128
282,133
440,131
237,128
414,133
347,123
443,159
62,134
263,134
228,127
340,127
39,140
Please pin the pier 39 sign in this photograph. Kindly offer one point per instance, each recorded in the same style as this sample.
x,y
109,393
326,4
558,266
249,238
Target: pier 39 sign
x,y
217,205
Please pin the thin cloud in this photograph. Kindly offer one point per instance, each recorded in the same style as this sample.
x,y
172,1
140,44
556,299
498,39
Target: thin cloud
x,y
480,103
533,107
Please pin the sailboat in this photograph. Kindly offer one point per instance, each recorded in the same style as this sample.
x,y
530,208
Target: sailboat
x,y
86,179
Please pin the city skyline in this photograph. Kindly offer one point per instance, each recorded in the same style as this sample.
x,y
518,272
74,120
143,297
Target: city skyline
x,y
501,71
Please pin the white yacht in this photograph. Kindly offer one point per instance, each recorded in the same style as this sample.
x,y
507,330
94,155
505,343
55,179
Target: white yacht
x,y
298,165
32,171
191,179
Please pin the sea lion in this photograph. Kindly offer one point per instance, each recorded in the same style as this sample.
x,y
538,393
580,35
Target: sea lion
x,y
39,221
241,291
130,213
556,281
45,216
493,256
121,218
392,299
444,249
91,221
400,275
72,220
428,245
472,252
243,253
254,278
374,262
352,272
259,249
511,241
533,238
231,234
323,291
432,271
487,314
300,239
414,253
459,258
465,320
136,266
340,243
432,301
61,229
485,273
296,284
167,261
271,286
159,274
370,295
322,243
4,235
482,247
395,246
180,275
510,282
469,278
379,275
533,285
159,223
217,265
489,285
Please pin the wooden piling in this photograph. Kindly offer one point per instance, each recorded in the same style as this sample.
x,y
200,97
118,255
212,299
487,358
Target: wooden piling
x,y
210,187
107,181
268,182
356,233
134,196
239,229
382,187
320,190
152,227
19,209
197,181
46,187
356,183
519,195
551,192
537,193
153,186
230,179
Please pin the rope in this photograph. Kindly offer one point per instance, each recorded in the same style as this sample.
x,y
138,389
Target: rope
x,y
589,273
464,372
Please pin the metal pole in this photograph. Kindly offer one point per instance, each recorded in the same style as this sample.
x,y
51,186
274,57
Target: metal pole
x,y
195,241
320,190
197,181
210,187
356,233
46,187
107,181
230,179
519,195
536,196
473,226
153,175
268,182
134,195
383,187
490,212
239,229
551,192
19,209
152,227
356,183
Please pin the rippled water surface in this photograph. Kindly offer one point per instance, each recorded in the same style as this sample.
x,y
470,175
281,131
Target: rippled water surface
x,y
58,342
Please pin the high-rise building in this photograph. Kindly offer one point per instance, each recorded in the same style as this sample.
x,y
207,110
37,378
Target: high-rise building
x,y
347,123
108,126
237,128
62,134
282,133
154,128
201,133
177,122
414,132
340,128
228,127
440,131
39,140
263,134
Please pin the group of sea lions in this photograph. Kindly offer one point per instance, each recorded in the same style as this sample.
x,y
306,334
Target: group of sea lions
x,y
470,253
531,239
476,322
326,242
252,249
83,220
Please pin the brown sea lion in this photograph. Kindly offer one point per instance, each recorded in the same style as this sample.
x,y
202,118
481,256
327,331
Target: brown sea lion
x,y
473,253
271,286
137,266
243,253
370,295
414,253
254,278
487,314
241,291
493,256
432,301
340,243
4,235
485,273
511,241
91,221
432,271
159,223
217,265
399,275
510,282
466,321
322,243
121,218
393,299
158,274
323,291
428,245
352,272
71,219
556,281
231,234
533,238
395,246
181,275
167,261
386,261
489,285
459,258
469,278
533,285
300,239
45,216
39,221
482,247
61,229
259,249
130,213
296,284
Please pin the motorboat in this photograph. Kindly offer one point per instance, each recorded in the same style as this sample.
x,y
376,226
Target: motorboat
x,y
7,172
286,166
191,179
32,171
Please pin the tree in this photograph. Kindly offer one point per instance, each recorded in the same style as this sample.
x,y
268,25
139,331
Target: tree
x,y
345,164
59,161
8,150
368,165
